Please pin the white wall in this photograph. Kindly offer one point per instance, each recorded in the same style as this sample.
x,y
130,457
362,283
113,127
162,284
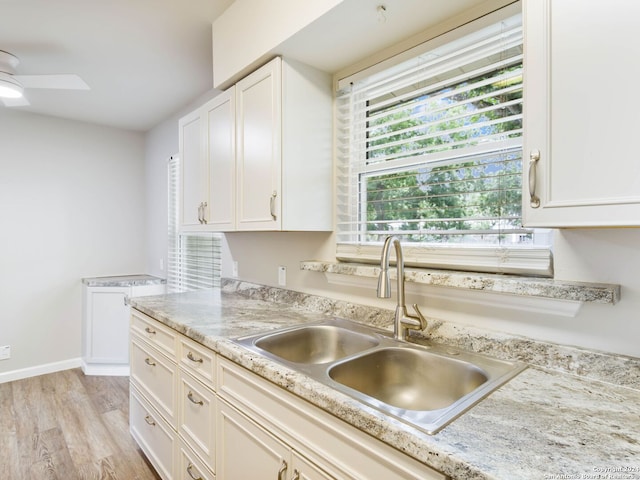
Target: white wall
x,y
611,256
71,204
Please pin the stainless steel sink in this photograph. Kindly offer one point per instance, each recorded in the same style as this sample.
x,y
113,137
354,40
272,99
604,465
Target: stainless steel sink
x,y
409,378
424,386
315,343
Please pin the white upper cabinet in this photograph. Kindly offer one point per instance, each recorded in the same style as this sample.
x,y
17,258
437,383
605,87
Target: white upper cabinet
x,y
193,187
580,119
220,132
259,152
267,145
207,156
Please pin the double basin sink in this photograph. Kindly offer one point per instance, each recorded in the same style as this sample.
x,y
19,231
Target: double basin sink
x,y
424,386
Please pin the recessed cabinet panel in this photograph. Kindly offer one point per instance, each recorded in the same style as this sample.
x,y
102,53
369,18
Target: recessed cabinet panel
x,y
220,131
108,331
578,133
245,450
258,154
192,167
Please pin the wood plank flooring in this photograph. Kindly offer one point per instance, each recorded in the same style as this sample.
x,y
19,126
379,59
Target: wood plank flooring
x,y
68,426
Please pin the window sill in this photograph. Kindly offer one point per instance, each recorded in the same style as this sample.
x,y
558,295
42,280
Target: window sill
x,y
544,288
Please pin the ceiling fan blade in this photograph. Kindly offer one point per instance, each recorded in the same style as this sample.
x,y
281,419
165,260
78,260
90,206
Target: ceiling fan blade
x,y
63,82
15,102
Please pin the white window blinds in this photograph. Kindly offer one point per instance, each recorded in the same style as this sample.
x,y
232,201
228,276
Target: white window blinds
x,y
430,150
194,259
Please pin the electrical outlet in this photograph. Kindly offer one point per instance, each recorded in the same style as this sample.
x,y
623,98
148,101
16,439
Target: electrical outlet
x,y
282,276
234,269
5,352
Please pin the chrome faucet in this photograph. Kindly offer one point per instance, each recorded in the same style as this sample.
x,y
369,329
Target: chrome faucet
x,y
403,320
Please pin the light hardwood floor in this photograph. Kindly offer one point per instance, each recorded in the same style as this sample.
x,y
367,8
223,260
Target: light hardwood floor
x,y
68,426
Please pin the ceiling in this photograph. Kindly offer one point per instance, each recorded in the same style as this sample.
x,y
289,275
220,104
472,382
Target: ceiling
x,y
142,59
146,59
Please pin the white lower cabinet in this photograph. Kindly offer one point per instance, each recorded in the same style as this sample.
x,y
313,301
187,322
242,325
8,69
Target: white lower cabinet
x,y
105,326
190,466
249,451
153,434
197,415
172,414
282,427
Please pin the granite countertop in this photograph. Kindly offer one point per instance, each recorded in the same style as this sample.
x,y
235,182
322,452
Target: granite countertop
x,y
542,424
123,281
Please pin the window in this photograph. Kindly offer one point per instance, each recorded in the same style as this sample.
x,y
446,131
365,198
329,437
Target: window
x,y
194,259
430,150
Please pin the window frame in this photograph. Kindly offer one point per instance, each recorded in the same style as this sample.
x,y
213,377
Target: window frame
x,y
533,259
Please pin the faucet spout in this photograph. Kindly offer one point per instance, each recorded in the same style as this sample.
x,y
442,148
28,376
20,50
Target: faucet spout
x,y
403,321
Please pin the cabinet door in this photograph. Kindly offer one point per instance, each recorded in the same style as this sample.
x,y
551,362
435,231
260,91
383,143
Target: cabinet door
x,y
245,450
220,116
106,326
575,117
194,173
258,134
221,137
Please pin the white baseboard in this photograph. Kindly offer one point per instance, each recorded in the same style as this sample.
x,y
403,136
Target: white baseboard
x,y
106,369
40,370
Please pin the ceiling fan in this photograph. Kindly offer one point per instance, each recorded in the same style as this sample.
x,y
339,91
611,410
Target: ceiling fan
x,y
12,86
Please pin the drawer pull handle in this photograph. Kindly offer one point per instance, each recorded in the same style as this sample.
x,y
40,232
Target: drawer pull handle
x,y
189,468
149,362
296,475
150,331
193,400
534,158
272,205
283,470
149,420
194,359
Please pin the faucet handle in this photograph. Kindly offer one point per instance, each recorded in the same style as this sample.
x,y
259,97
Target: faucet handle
x,y
419,317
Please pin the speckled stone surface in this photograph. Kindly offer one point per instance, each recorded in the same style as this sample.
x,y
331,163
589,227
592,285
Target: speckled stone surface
x,y
123,281
542,424
509,284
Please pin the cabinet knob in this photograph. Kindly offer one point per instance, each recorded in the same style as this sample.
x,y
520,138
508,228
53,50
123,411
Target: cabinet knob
x,y
149,362
534,157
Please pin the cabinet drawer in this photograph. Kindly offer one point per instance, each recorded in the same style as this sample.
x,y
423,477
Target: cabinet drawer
x,y
198,361
197,417
190,466
155,376
153,434
159,335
